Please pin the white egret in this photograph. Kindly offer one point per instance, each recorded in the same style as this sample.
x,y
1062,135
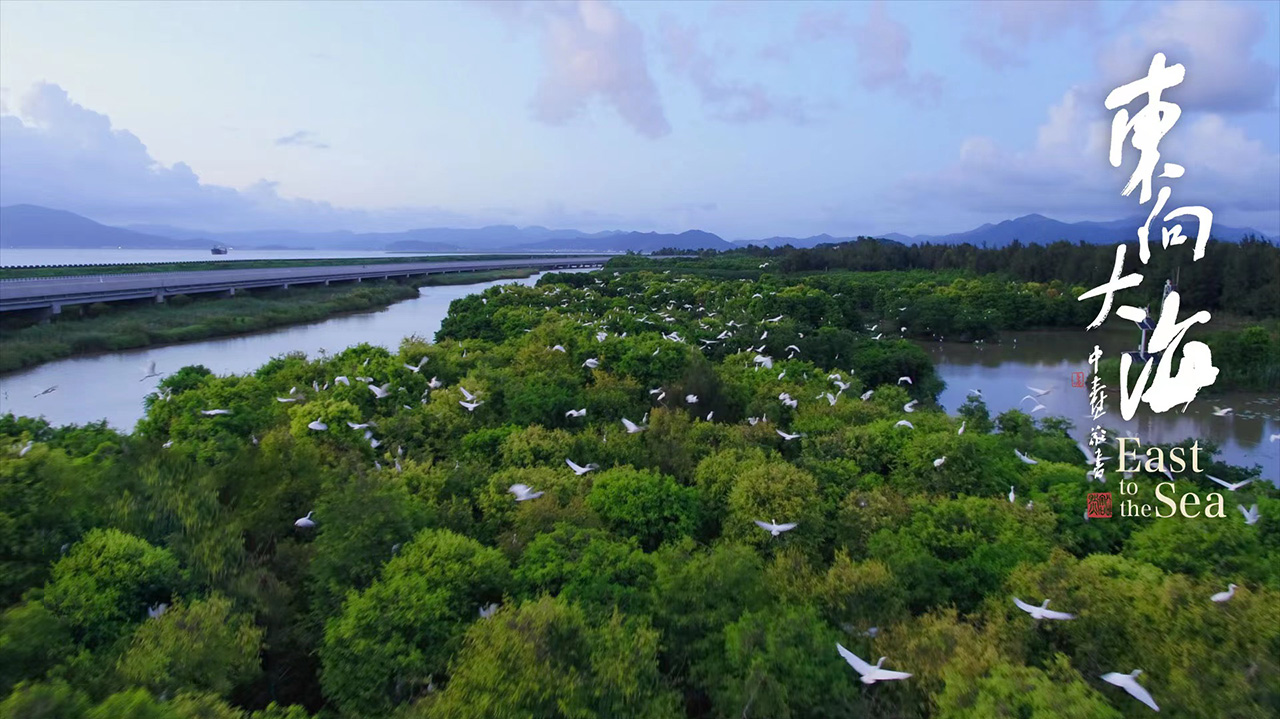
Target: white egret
x,y
576,412
156,611
359,425
523,492
910,406
1229,485
774,528
286,399
26,448
868,673
904,423
691,398
471,406
214,412
632,427
580,470
905,379
305,522
466,394
867,395
1012,495
786,436
939,462
1042,611
151,372
961,430
318,426
1129,683
1221,411
1039,392
341,379
380,392
487,610
1250,515
591,363
1025,459
1224,596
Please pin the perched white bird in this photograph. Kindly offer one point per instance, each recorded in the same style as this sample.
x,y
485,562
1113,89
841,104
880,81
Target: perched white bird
x,y
558,348
904,423
471,406
711,414
1221,411
1025,459
786,436
691,398
867,395
157,610
1012,496
632,427
305,522
1224,596
591,363
1230,486
523,492
1129,683
580,470
910,406
487,610
1039,392
774,528
939,462
870,674
1250,514
905,379
576,412
214,412
382,391
318,426
961,430
26,448
1042,611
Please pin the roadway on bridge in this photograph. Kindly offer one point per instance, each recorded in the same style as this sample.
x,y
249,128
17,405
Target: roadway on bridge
x,y
20,294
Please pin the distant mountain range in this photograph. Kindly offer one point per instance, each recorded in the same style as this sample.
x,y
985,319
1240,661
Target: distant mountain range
x,y
32,226
1030,230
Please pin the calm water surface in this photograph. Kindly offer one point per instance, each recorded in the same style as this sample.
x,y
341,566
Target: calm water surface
x,y
1047,360
34,256
109,386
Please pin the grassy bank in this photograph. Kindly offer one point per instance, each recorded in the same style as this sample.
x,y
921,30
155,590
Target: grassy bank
x,y
8,273
107,328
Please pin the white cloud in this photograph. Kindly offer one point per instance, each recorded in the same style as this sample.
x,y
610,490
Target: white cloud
x,y
591,52
62,155
882,45
1003,30
1066,173
730,101
1215,41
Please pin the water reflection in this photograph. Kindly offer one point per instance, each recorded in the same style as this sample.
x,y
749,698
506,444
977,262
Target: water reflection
x,y
1048,360
109,386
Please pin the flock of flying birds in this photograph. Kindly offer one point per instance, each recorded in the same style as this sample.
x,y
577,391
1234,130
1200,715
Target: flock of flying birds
x,y
868,673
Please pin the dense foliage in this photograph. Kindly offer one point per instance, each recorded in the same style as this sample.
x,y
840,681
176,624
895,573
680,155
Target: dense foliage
x,y
640,588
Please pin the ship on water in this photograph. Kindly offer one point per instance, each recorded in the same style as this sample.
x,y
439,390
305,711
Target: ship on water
x,y
220,249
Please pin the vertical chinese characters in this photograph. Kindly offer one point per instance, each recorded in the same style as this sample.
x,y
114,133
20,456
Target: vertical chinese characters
x,y
1144,129
1097,408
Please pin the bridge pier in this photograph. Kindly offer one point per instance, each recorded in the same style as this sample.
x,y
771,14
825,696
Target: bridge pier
x,y
159,298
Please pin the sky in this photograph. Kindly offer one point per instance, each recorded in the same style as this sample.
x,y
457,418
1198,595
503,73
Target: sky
x,y
746,119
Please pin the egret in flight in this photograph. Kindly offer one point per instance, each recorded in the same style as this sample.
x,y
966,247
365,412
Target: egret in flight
x,y
870,674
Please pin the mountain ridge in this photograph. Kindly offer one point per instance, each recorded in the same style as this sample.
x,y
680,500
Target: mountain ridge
x,y
35,226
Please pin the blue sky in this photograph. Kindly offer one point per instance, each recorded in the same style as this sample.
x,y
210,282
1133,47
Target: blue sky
x,y
748,119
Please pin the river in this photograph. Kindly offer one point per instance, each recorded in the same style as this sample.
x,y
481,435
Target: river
x,y
108,386
1047,360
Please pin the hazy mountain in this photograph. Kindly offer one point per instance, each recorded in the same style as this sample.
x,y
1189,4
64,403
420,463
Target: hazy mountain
x,y
34,226
1038,229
